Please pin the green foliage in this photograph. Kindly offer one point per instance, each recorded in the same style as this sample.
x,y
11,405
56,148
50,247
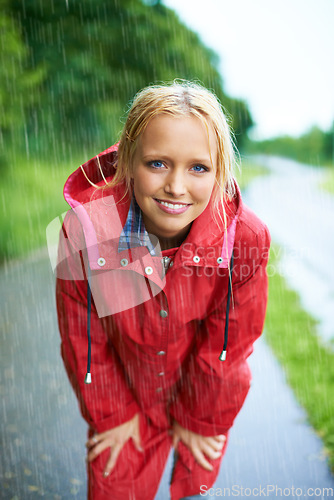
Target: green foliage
x,y
308,363
83,61
316,147
248,172
17,82
328,183
30,198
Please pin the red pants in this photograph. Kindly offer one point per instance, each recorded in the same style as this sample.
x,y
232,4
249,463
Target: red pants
x,y
137,475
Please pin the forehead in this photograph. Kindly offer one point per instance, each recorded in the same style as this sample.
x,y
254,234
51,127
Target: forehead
x,y
182,134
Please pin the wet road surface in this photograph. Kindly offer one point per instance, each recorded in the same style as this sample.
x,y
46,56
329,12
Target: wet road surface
x,y
301,220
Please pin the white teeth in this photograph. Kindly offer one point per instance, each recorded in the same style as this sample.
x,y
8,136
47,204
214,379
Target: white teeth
x,y
171,205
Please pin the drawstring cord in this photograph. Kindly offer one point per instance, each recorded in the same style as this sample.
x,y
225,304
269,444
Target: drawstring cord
x,y
88,377
222,356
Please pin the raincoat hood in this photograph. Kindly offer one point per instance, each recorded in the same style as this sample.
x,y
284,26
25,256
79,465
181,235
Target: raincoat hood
x,y
85,184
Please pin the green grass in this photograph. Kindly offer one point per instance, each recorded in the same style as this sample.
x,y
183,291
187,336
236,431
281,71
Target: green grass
x,y
307,362
249,171
31,196
328,184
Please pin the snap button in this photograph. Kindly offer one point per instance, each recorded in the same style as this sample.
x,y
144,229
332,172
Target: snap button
x,y
161,374
124,262
159,389
148,270
101,262
220,260
161,353
196,259
163,313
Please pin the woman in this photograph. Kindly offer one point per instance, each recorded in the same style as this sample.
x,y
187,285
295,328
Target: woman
x,y
176,266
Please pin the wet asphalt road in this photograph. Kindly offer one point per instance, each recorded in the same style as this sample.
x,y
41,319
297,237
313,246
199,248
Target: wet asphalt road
x,y
43,435
301,219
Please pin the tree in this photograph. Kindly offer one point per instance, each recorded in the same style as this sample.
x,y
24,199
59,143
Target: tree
x,y
17,82
92,56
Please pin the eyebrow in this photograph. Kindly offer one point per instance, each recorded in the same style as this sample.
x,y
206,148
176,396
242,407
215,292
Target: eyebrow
x,y
158,156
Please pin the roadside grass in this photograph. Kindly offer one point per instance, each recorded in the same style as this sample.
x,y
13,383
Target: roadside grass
x,y
328,184
307,362
31,196
249,170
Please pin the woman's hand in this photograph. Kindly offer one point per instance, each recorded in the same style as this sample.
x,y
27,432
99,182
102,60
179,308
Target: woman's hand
x,y
115,439
199,445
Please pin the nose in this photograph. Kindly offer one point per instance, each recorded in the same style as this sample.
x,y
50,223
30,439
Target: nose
x,y
175,184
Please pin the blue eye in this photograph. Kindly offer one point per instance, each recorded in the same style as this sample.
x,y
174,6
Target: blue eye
x,y
199,168
156,164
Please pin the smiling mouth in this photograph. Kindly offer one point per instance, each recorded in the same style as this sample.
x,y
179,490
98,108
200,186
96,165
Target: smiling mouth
x,y
172,205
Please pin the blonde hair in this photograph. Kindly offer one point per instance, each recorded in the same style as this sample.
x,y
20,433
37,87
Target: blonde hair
x,y
179,98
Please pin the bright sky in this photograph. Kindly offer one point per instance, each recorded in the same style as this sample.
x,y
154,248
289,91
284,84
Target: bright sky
x,y
277,55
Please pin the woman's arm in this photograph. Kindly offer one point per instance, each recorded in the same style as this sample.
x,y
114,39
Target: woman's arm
x,y
108,401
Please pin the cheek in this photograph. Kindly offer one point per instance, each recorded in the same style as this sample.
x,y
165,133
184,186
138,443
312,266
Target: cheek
x,y
145,183
202,191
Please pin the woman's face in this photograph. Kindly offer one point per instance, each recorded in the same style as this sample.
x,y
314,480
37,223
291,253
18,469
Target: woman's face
x,y
172,173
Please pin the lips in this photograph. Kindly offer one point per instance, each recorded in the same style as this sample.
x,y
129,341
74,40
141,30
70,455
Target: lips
x,y
172,207
172,204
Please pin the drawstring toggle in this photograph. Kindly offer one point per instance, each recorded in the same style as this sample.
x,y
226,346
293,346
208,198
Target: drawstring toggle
x,y
222,356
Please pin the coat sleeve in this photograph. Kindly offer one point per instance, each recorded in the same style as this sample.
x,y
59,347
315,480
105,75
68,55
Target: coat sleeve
x,y
108,401
212,391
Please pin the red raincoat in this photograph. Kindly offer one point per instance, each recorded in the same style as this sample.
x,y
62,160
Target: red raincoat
x,y
157,337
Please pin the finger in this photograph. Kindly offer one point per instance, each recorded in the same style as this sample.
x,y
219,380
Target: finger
x,y
221,438
93,441
210,452
115,451
215,444
94,451
136,441
201,460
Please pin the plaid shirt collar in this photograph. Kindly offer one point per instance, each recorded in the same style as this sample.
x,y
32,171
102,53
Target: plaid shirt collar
x,y
134,233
